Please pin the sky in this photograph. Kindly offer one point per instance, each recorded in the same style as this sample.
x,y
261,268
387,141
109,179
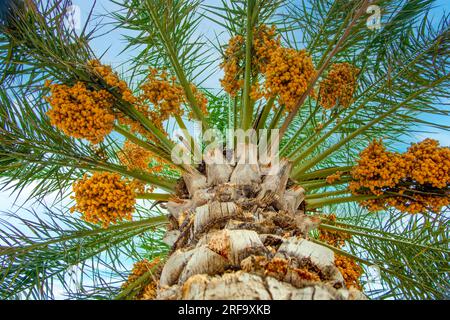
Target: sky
x,y
113,43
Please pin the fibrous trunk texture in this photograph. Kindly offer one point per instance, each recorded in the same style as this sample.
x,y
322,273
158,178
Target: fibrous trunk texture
x,y
242,234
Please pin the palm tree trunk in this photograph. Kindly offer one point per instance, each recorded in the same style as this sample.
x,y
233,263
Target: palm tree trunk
x,y
242,234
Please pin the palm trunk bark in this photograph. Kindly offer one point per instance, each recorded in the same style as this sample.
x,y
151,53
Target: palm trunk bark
x,y
242,234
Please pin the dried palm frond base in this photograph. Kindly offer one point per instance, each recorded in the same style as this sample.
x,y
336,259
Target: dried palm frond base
x,y
241,235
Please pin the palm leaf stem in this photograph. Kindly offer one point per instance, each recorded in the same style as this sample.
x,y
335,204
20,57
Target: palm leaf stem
x,y
125,294
366,229
262,118
369,263
367,99
154,196
320,202
323,173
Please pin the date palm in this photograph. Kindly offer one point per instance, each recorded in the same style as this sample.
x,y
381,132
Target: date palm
x,y
293,230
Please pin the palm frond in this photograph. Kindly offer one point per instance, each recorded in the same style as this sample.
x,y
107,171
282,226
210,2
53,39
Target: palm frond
x,y
33,151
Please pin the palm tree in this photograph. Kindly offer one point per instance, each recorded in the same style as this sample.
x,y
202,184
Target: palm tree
x,y
338,208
